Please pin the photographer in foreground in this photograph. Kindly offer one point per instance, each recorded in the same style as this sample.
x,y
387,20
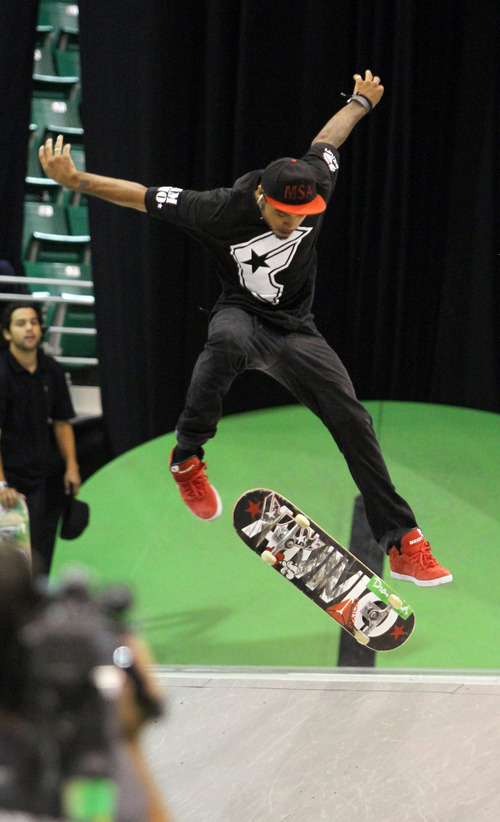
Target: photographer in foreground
x,y
74,693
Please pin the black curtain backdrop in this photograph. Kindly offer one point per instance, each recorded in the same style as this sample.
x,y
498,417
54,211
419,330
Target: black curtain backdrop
x,y
195,94
17,44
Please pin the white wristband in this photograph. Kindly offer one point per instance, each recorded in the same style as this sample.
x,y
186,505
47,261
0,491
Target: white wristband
x,y
362,100
3,484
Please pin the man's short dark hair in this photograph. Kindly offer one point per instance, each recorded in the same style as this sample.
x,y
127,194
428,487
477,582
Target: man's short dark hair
x,y
7,317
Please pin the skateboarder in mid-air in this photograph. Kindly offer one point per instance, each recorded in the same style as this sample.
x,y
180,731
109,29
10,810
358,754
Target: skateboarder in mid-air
x,y
263,232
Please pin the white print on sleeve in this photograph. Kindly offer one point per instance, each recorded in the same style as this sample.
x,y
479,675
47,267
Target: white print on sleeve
x,y
260,259
167,194
330,159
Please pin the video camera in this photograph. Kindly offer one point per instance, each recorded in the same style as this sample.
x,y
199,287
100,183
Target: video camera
x,y
74,660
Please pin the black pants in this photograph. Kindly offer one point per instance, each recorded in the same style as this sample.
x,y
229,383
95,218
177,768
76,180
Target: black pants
x,y
45,503
307,366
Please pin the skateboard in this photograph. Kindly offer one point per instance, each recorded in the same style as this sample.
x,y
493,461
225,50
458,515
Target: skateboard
x,y
14,527
360,601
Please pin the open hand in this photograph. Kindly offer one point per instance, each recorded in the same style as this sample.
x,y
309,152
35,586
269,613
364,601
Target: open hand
x,y
8,497
57,162
371,87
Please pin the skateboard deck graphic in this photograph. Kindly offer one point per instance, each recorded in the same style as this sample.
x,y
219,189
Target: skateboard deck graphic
x,y
14,526
326,572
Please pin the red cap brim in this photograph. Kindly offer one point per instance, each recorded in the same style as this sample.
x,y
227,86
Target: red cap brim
x,y
316,206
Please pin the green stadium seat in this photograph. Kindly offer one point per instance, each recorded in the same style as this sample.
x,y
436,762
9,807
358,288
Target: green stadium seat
x,y
42,190
79,345
43,61
80,340
44,35
46,217
56,63
34,169
55,114
66,46
71,134
67,39
62,248
78,219
53,87
47,235
67,63
44,290
60,271
58,15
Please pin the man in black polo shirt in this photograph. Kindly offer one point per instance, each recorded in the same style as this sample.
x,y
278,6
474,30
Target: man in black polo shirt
x,y
37,443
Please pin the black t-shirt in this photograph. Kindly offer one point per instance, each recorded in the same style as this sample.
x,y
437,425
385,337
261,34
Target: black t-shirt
x,y
259,272
29,402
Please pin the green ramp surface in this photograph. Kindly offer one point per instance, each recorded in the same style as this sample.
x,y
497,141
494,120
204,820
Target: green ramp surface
x,y
203,598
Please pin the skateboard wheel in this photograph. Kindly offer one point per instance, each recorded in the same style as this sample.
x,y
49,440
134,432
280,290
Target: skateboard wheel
x,y
268,558
360,637
301,520
395,601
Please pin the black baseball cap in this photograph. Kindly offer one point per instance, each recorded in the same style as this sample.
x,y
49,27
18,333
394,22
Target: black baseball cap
x,y
290,185
75,518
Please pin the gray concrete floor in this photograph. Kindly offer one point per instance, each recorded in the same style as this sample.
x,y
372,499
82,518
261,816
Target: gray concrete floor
x,y
251,745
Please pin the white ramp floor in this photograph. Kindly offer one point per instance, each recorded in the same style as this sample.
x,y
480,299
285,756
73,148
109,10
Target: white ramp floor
x,y
251,745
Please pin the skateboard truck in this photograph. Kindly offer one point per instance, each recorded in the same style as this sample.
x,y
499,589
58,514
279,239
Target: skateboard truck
x,y
269,557
373,614
269,527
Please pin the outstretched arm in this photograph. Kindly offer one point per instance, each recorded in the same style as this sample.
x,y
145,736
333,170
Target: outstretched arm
x,y
337,130
57,163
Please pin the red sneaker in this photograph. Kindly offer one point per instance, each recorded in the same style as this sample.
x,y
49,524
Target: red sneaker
x,y
200,497
414,562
